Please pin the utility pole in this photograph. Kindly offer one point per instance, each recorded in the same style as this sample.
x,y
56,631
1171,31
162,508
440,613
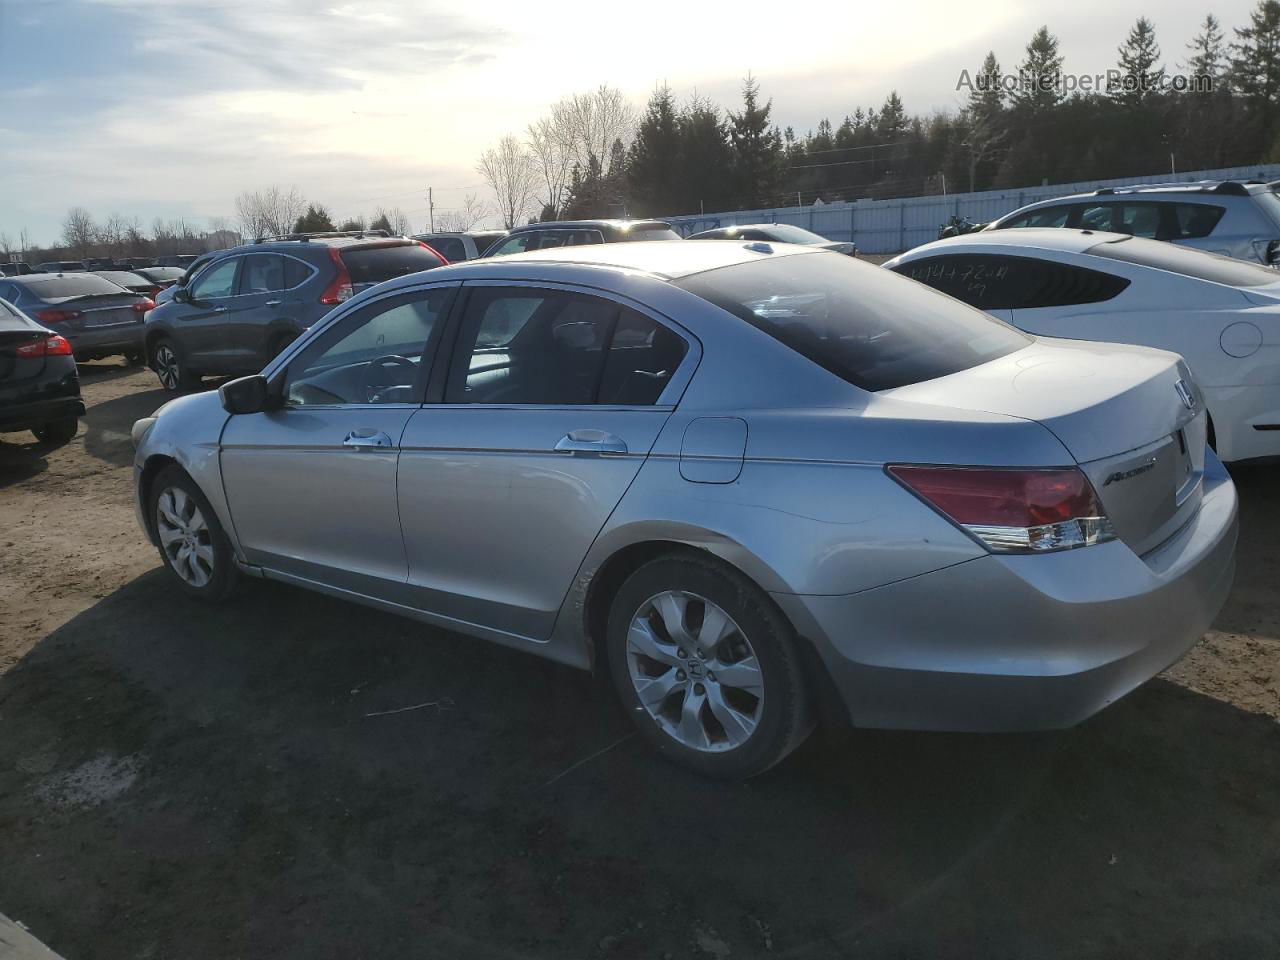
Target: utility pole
x,y
431,209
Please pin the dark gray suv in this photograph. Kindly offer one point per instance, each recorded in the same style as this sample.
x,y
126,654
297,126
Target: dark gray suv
x,y
245,307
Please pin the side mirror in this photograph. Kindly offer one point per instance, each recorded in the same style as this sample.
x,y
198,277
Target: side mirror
x,y
246,395
182,294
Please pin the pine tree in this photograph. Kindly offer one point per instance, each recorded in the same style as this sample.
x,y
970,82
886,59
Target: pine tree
x,y
893,118
1039,75
1208,58
1255,56
986,97
1140,78
757,148
983,121
315,220
653,168
707,158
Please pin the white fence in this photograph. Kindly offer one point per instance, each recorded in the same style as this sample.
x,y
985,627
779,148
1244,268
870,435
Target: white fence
x,y
891,226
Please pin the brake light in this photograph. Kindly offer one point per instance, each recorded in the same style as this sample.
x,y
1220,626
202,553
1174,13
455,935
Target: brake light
x,y
154,292
339,288
56,315
142,306
48,347
1013,510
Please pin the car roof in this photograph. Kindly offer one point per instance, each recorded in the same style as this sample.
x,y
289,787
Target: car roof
x,y
598,224
1054,239
667,261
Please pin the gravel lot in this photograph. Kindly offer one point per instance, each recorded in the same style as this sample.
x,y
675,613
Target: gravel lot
x,y
183,781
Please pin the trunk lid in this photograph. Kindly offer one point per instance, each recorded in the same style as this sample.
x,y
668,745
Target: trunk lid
x,y
102,309
15,333
1132,417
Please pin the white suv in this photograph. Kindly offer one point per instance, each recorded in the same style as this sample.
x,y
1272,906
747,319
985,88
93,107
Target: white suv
x,y
1226,217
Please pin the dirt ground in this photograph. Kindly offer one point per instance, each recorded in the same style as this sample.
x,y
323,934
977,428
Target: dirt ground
x,y
191,782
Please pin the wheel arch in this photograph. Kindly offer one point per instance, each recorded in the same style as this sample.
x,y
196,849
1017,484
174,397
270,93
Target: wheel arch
x,y
151,469
603,584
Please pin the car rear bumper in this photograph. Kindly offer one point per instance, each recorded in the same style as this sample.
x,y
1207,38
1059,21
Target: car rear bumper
x,y
24,416
106,340
1006,643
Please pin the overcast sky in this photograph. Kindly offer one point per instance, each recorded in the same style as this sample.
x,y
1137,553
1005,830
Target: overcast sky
x,y
170,108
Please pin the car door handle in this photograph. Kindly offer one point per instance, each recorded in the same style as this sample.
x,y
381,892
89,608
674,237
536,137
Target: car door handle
x,y
590,441
219,309
274,303
367,440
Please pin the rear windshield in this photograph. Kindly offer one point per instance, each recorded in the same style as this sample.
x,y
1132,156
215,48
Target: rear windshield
x,y
123,278
163,273
865,324
1188,262
375,264
649,233
77,285
786,233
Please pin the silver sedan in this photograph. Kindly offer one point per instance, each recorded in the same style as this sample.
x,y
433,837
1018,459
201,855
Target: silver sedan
x,y
760,485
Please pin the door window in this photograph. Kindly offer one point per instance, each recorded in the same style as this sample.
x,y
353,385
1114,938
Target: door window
x,y
1044,217
1137,220
219,280
1196,219
262,273
451,248
381,354
517,244
994,282
1096,217
524,345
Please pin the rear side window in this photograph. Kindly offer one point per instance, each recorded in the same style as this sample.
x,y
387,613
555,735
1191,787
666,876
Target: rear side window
x,y
295,272
1190,263
528,345
996,282
369,265
1196,219
1137,219
262,273
79,285
1096,216
1044,217
862,323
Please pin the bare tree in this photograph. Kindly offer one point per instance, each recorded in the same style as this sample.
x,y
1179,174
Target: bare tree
x,y
551,144
6,247
510,171
464,218
79,231
595,120
269,212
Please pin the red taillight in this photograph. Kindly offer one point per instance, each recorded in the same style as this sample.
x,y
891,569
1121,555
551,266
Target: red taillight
x,y
339,288
142,306
153,293
56,315
48,347
1013,510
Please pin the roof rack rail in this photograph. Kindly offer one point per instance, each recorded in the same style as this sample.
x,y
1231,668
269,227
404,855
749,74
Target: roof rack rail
x,y
324,235
1233,187
1104,191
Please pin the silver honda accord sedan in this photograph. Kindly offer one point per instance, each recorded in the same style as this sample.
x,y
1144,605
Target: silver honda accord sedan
x,y
762,485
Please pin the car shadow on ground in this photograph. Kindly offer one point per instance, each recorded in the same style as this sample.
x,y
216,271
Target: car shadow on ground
x,y
243,780
22,457
108,425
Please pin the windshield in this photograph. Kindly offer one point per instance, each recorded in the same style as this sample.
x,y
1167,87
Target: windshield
x,y
1188,262
865,324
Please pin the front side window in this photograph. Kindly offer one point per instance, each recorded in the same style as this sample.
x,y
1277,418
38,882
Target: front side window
x,y
380,354
999,282
1096,216
864,324
528,345
219,280
1137,220
518,243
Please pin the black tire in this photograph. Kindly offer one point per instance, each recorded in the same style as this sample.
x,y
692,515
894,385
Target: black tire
x,y
785,716
170,364
59,432
223,574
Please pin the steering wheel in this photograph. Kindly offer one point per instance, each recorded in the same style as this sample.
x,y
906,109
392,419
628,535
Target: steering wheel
x,y
380,378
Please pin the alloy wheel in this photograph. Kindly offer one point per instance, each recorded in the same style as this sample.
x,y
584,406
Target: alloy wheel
x,y
184,536
695,672
168,368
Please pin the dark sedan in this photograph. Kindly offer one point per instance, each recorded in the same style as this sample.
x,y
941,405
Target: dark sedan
x,y
39,386
776,233
162,277
131,280
99,317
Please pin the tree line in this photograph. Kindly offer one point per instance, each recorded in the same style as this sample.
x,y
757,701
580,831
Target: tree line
x,y
1217,105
